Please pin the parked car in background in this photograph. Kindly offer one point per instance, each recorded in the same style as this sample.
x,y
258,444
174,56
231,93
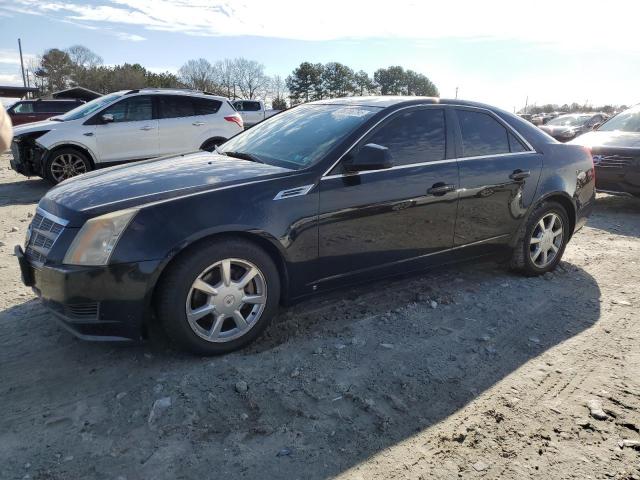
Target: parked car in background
x,y
252,111
322,195
615,147
568,127
121,127
526,116
29,111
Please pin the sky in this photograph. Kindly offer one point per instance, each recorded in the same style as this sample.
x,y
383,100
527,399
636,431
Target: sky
x,y
495,51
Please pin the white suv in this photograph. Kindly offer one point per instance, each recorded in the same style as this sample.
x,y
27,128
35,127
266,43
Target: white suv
x,y
123,127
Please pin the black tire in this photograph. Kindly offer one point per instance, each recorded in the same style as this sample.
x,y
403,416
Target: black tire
x,y
209,145
77,159
521,259
176,284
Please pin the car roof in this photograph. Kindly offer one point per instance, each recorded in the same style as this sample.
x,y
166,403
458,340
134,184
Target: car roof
x,y
384,101
172,91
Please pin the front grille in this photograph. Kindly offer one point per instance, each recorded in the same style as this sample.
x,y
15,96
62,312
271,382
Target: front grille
x,y
44,231
613,161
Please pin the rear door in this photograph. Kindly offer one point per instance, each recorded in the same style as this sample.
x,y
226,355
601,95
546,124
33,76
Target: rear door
x,y
133,134
499,174
385,217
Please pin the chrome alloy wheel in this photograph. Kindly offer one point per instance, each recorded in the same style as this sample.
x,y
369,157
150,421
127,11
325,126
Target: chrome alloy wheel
x,y
226,300
67,165
546,240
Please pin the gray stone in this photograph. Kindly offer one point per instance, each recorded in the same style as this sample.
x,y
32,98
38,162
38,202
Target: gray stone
x,y
159,407
241,386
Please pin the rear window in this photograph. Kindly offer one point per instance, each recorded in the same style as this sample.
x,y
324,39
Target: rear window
x,y
206,106
247,106
175,106
482,134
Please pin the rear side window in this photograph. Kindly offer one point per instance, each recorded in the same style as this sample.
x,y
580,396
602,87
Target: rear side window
x,y
175,106
133,109
482,134
251,106
23,108
206,106
413,137
515,144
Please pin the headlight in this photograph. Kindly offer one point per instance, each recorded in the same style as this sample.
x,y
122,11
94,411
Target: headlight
x,y
29,136
97,238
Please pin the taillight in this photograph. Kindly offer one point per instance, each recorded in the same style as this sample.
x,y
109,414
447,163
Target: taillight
x,y
235,118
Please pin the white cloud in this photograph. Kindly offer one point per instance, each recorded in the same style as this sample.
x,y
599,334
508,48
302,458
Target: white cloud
x,y
129,37
592,24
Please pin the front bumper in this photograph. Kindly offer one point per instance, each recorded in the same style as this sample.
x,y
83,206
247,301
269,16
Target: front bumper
x,y
27,158
108,302
619,180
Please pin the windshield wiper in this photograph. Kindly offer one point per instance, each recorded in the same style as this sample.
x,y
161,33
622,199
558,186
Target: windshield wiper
x,y
56,119
244,156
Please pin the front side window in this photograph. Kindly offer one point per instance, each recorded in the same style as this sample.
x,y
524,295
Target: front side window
x,y
482,134
23,108
174,106
133,109
413,137
300,136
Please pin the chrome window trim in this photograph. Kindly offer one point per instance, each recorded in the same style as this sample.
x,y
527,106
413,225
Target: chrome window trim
x,y
508,127
52,217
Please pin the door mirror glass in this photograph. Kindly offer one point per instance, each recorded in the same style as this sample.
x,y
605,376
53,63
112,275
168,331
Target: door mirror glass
x,y
107,118
370,157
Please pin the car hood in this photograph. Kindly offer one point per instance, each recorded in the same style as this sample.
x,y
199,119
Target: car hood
x,y
36,127
556,130
127,186
609,140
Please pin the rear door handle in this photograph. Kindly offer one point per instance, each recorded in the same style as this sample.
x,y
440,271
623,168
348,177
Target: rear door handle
x,y
146,127
520,174
198,124
440,188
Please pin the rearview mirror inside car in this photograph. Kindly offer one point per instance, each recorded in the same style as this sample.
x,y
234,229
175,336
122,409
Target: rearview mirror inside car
x,y
107,118
370,157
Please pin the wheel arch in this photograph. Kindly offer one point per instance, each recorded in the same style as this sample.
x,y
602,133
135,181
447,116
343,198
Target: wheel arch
x,y
76,146
216,138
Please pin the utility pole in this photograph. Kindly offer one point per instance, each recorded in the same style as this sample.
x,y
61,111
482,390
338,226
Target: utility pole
x,y
24,80
526,103
456,92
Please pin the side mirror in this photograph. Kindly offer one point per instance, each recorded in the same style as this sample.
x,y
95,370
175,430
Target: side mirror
x,y
596,125
107,118
370,157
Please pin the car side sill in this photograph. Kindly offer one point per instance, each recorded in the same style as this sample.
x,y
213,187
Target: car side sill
x,y
367,269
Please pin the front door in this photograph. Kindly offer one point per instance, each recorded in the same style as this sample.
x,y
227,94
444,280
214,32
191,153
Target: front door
x,y
498,178
385,217
133,134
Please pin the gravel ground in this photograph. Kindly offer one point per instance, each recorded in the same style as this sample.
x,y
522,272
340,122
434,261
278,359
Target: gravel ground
x,y
462,373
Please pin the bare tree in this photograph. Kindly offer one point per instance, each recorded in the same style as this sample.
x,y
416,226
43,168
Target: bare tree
x,y
198,74
226,77
81,56
251,78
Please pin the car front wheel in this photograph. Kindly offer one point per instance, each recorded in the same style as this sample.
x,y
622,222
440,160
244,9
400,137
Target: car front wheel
x,y
219,298
542,244
66,163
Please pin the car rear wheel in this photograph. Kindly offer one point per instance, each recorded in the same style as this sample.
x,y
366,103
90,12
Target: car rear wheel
x,y
219,298
66,163
542,244
210,144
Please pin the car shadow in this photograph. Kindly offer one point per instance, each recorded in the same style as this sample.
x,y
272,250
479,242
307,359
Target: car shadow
x,y
619,215
23,192
334,381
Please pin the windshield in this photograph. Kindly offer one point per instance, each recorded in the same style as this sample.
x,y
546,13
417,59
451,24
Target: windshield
x,y
301,136
627,121
89,108
569,120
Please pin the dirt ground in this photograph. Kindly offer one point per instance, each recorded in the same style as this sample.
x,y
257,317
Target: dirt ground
x,y
462,373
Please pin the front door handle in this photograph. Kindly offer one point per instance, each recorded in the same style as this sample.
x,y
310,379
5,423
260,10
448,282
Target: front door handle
x,y
518,175
440,188
198,124
146,127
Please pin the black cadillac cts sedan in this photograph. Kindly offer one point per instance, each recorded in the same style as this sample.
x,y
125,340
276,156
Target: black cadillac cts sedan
x,y
325,194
